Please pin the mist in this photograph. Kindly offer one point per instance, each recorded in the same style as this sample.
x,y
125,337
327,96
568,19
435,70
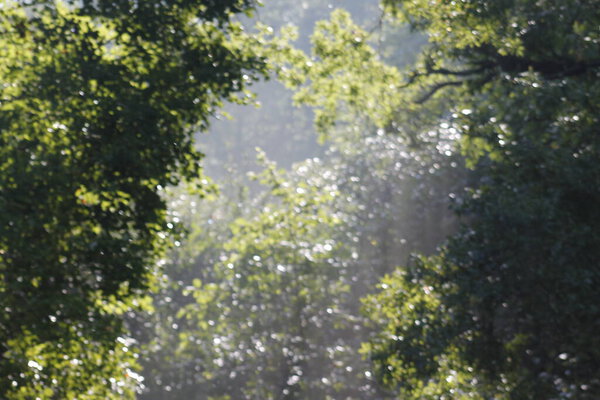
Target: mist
x,y
256,308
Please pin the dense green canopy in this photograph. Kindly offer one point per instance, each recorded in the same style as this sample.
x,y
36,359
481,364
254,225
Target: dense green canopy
x,y
98,103
509,309
495,118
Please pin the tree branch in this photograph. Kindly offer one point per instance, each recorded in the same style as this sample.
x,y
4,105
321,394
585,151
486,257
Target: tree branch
x,y
434,89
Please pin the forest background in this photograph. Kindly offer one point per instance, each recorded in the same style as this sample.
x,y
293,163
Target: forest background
x,y
419,219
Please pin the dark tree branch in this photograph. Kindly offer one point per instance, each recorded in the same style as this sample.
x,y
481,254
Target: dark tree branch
x,y
435,88
466,72
444,71
492,64
554,68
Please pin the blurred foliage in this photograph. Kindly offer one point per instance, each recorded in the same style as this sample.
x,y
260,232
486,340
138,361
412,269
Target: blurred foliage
x,y
263,299
282,130
270,284
345,78
271,297
98,104
270,280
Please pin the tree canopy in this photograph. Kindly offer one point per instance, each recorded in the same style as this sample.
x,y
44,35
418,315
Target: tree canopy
x,y
508,308
461,132
99,101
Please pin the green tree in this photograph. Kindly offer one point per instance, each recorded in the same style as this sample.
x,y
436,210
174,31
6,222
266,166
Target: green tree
x,y
98,104
265,317
265,302
509,308
284,131
389,200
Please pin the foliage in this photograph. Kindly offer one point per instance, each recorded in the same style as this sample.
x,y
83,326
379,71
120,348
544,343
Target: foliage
x,y
94,123
345,80
262,319
414,353
258,321
509,308
475,42
520,83
282,130
262,313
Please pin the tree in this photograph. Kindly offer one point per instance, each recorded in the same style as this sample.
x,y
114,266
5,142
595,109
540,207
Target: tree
x,y
264,295
508,309
98,102
266,317
518,82
270,283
